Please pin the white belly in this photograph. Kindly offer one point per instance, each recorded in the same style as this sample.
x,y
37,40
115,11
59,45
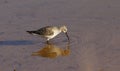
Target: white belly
x,y
56,32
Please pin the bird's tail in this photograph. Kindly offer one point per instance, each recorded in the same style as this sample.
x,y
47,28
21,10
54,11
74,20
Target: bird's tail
x,y
31,32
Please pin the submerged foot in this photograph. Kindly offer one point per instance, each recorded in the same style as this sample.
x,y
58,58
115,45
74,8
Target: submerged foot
x,y
47,42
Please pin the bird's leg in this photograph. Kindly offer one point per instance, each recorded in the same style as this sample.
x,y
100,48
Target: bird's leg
x,y
47,42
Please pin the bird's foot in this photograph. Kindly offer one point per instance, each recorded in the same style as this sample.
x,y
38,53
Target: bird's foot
x,y
47,42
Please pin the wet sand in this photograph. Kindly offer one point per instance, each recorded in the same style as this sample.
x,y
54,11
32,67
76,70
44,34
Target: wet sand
x,y
93,27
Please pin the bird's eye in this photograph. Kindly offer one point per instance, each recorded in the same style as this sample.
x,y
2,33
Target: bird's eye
x,y
64,30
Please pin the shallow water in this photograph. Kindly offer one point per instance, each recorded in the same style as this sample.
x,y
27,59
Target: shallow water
x,y
93,27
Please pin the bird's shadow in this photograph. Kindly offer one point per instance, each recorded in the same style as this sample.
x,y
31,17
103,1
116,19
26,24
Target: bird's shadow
x,y
16,42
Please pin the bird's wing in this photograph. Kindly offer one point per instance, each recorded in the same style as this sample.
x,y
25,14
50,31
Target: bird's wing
x,y
46,31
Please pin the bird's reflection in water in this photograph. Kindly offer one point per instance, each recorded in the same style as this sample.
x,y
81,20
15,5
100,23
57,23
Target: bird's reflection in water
x,y
52,51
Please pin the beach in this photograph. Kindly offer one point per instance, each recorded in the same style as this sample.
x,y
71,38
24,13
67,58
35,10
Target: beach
x,y
93,28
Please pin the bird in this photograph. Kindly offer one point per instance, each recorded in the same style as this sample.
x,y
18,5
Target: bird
x,y
50,32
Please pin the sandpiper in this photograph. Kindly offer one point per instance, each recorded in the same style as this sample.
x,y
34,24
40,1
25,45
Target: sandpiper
x,y
49,32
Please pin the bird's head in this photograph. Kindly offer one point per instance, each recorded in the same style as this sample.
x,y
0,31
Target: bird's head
x,y
64,30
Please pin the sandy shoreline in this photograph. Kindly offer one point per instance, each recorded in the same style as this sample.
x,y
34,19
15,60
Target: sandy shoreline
x,y
93,27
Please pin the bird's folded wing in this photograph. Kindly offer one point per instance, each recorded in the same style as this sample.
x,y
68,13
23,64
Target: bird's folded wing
x,y
45,31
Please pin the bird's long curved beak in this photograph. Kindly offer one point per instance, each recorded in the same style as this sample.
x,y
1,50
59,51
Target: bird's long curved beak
x,y
67,36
